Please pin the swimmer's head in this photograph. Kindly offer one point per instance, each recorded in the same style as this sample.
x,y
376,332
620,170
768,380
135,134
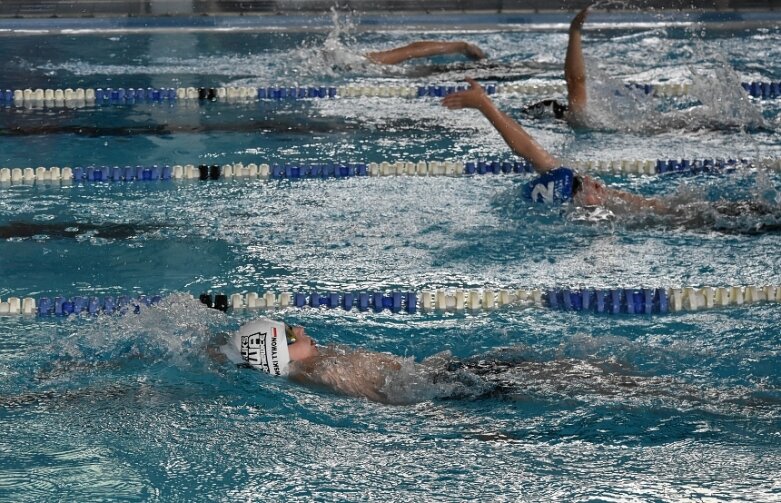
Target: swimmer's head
x,y
588,192
545,108
270,345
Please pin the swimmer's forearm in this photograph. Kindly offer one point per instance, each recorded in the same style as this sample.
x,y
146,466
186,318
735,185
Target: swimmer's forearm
x,y
517,138
414,50
575,67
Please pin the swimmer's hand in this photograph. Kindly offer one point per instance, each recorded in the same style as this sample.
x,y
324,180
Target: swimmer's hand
x,y
579,19
474,97
471,51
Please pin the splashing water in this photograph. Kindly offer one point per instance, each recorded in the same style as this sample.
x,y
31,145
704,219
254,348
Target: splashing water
x,y
714,100
723,103
521,373
335,56
731,205
172,331
613,106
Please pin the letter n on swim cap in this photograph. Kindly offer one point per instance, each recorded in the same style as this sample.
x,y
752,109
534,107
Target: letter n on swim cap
x,y
555,186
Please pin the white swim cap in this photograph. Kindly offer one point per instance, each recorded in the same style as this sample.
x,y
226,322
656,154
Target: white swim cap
x,y
263,345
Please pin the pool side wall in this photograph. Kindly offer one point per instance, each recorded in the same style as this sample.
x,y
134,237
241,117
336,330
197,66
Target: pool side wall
x,y
117,8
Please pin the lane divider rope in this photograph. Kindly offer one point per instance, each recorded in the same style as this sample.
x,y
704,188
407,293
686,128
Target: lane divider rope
x,y
121,95
80,174
640,301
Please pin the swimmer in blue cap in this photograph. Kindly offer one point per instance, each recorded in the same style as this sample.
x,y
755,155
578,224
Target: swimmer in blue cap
x,y
559,184
556,184
423,49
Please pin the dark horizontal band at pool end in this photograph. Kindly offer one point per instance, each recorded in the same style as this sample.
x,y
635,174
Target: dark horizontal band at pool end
x,y
220,13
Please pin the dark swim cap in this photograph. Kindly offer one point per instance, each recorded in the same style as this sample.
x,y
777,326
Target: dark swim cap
x,y
555,186
546,107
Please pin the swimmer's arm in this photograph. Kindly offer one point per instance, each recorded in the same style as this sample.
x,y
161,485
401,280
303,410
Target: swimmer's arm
x,y
216,355
512,132
214,351
574,66
423,49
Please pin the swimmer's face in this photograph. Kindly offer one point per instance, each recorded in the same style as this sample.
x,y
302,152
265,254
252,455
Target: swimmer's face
x,y
592,193
304,347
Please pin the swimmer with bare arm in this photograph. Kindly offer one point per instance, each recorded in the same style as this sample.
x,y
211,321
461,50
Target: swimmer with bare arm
x,y
423,49
556,183
280,349
575,67
559,184
574,75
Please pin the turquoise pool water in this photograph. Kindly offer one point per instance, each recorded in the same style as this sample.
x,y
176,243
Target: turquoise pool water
x,y
683,406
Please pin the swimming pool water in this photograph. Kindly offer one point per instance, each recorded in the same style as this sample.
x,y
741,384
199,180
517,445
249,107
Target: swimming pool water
x,y
683,406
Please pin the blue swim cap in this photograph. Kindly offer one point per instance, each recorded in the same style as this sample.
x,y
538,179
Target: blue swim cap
x,y
555,186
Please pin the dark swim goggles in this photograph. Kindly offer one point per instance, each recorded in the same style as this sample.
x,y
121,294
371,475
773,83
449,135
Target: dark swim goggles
x,y
289,335
577,184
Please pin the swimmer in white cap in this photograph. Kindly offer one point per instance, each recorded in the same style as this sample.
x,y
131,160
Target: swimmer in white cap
x,y
276,348
279,349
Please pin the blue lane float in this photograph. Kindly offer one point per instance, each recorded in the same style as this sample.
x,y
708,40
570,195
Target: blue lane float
x,y
168,95
396,302
763,90
615,301
65,306
332,169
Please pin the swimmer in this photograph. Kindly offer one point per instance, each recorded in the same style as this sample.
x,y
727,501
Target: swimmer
x,y
423,49
556,183
279,349
574,75
62,230
602,109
